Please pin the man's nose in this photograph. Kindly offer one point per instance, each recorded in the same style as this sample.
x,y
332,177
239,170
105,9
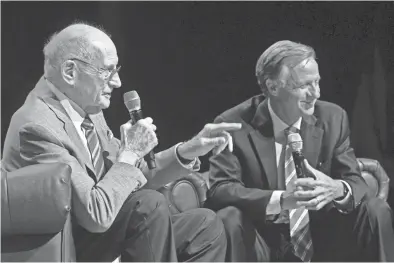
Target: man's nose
x,y
115,81
314,91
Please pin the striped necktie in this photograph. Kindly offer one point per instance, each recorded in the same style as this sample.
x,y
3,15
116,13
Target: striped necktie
x,y
94,147
299,218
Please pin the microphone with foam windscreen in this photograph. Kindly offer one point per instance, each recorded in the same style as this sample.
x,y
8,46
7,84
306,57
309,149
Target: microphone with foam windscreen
x,y
295,142
133,105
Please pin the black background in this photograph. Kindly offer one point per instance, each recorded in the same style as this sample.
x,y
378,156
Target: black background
x,y
189,61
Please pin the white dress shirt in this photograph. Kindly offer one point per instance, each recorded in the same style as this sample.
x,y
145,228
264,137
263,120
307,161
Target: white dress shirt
x,y
273,207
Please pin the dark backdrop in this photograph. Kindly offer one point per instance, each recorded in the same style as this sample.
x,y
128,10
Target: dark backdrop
x,y
189,61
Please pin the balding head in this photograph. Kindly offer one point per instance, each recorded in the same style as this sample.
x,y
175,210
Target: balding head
x,y
81,61
75,41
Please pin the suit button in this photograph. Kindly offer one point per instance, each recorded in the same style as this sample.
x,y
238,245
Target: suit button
x,y
68,208
63,181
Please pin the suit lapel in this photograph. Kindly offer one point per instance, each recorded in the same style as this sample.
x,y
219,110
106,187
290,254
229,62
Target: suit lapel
x,y
79,148
265,151
263,142
312,138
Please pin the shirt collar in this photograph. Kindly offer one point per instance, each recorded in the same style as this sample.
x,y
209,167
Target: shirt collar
x,y
278,124
76,114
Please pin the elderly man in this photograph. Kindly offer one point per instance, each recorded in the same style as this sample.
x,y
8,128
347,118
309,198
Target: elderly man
x,y
114,211
269,213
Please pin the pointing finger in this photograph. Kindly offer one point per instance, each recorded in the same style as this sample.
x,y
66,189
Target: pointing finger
x,y
224,126
230,141
223,146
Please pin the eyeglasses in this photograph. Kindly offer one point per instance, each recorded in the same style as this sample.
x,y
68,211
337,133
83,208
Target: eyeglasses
x,y
106,74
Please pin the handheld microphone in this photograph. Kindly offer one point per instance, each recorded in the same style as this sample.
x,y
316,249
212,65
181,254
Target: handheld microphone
x,y
133,105
295,143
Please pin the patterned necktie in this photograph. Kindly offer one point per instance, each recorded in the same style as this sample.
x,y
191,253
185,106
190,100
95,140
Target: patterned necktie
x,y
299,218
94,147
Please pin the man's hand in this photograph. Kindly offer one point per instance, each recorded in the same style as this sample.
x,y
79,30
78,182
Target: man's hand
x,y
137,140
214,137
320,192
290,201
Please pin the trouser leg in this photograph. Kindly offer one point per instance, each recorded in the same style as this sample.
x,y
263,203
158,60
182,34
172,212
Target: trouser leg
x,y
374,230
244,244
142,231
365,234
199,236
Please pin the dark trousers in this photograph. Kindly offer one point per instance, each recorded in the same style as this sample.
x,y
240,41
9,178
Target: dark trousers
x,y
366,234
144,230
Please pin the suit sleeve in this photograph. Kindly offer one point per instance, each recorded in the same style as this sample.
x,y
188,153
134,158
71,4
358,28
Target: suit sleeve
x,y
228,189
344,164
95,206
168,169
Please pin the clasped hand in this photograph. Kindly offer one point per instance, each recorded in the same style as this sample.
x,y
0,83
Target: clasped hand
x,y
313,194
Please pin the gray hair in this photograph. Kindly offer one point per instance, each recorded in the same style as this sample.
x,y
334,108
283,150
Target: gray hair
x,y
71,42
282,53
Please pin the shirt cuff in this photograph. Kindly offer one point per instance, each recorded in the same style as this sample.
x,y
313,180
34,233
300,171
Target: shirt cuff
x,y
193,165
346,199
273,207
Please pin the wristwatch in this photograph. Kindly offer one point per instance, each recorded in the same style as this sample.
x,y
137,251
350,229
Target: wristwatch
x,y
345,192
181,159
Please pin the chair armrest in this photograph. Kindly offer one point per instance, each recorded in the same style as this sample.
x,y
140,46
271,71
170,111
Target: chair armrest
x,y
35,199
186,193
372,169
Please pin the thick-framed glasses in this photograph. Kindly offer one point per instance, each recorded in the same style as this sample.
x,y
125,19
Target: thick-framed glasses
x,y
106,74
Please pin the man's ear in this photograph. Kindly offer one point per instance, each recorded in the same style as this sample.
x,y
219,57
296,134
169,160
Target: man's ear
x,y
272,87
68,70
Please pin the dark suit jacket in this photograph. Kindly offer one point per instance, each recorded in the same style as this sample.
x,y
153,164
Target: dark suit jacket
x,y
42,132
247,177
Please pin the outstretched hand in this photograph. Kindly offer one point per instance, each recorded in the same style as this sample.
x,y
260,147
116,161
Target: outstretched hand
x,y
214,136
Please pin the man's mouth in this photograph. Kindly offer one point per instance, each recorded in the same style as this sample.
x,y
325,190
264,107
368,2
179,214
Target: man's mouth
x,y
309,103
107,94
